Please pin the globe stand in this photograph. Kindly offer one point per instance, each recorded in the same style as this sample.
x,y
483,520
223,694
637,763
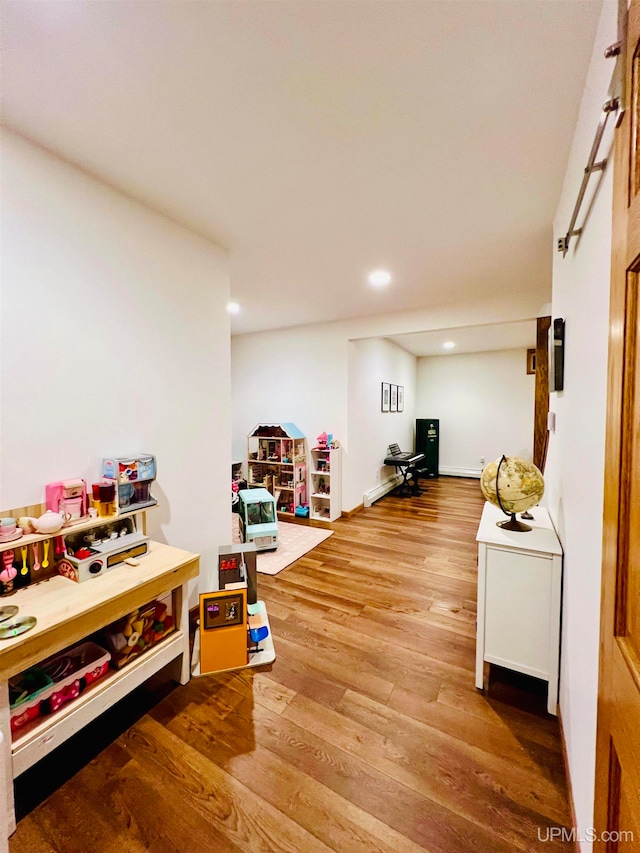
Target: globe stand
x,y
513,524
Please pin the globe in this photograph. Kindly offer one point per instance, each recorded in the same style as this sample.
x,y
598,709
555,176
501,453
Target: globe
x,y
513,485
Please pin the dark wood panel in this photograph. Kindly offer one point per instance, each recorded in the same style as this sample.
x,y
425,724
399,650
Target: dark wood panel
x,y
541,408
367,734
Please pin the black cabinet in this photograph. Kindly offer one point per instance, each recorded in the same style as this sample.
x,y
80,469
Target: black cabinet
x,y
427,442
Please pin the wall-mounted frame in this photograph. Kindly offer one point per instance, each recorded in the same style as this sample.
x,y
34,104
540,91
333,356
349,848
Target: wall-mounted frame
x,y
394,399
385,398
401,398
531,360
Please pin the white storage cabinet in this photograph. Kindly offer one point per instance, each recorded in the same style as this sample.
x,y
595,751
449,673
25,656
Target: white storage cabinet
x,y
519,590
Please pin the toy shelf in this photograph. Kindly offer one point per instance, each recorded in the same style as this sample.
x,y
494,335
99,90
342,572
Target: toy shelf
x,y
270,462
46,733
67,612
326,482
29,538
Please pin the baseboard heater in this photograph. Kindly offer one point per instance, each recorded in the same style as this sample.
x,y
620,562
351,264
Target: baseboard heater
x,y
381,490
459,472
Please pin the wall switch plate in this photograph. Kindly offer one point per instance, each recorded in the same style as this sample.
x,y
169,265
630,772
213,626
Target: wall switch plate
x,y
482,460
551,421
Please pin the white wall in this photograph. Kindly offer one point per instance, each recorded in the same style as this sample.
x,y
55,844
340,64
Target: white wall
x,y
114,339
371,431
574,473
290,375
485,404
302,374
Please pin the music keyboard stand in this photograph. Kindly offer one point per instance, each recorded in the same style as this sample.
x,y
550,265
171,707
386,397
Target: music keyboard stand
x,y
406,464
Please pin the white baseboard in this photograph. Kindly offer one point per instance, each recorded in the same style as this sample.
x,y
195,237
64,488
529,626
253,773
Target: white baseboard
x,y
381,490
460,472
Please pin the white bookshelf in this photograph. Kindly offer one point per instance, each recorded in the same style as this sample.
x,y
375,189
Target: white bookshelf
x,y
325,488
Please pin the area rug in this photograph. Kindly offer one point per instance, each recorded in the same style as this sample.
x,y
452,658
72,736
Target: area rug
x,y
296,540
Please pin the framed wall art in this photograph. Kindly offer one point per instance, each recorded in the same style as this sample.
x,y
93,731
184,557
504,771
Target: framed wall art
x,y
386,397
393,407
531,360
401,398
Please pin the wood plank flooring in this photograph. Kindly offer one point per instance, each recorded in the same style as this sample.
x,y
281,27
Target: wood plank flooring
x,y
366,735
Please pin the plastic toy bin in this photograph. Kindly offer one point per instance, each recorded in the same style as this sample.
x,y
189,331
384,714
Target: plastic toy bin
x,y
26,692
67,670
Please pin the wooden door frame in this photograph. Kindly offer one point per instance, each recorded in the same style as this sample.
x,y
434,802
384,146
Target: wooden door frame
x,y
618,406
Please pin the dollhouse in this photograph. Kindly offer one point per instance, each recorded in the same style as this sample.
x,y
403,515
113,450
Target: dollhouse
x,y
277,461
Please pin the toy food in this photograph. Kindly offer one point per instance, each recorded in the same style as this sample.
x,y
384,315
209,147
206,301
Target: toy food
x,y
138,631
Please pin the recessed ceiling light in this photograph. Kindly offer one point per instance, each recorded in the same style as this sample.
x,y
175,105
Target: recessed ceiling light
x,y
448,345
378,278
233,308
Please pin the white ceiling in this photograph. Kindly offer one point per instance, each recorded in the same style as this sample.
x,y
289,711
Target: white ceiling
x,y
497,336
319,140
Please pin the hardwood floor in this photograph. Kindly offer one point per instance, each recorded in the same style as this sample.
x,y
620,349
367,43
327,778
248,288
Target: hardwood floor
x,y
367,733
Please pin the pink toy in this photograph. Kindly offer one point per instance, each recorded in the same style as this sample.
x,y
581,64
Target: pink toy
x,y
68,497
322,441
8,573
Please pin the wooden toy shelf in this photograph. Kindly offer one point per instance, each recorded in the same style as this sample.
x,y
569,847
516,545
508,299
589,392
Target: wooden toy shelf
x,y
68,612
90,523
45,733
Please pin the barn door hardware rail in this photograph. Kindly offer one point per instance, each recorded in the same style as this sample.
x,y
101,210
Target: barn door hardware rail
x,y
592,166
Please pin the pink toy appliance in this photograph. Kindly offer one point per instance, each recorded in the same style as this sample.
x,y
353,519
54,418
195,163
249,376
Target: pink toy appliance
x,y
68,496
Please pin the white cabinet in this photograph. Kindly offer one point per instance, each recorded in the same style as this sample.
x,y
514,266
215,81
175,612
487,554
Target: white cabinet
x,y
519,588
325,498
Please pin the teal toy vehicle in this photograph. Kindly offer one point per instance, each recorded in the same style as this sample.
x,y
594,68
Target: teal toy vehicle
x,y
258,518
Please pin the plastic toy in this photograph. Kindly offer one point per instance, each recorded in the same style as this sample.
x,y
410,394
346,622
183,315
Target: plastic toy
x,y
68,497
134,476
258,518
8,572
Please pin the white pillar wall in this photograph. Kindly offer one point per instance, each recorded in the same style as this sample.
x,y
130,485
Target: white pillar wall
x,y
114,340
574,474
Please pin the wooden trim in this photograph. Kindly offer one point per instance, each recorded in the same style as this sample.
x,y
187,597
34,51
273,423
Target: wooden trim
x,y
349,513
541,410
613,461
567,776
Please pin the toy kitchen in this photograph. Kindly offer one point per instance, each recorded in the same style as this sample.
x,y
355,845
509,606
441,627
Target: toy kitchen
x,y
93,552
86,529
